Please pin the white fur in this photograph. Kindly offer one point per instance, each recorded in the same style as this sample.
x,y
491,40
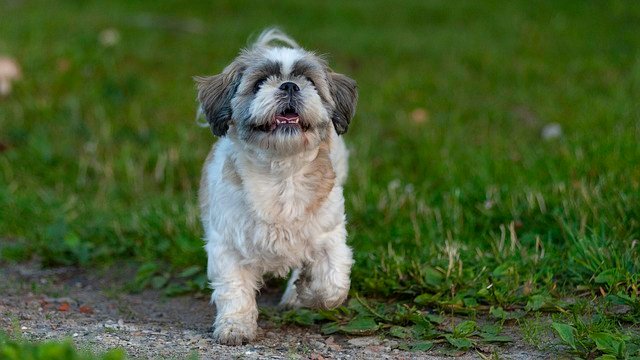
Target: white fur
x,y
274,209
285,55
263,227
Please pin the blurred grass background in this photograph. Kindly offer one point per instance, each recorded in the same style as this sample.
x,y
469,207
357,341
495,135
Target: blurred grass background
x,y
452,186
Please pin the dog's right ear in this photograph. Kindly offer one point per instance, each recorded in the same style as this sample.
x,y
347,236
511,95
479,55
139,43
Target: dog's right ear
x,y
215,94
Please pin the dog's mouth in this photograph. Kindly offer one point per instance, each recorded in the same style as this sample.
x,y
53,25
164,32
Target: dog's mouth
x,y
289,119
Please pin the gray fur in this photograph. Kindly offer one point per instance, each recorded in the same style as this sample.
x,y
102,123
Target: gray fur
x,y
227,98
271,36
215,94
345,95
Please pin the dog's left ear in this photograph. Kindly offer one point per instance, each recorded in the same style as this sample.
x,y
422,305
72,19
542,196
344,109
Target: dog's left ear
x,y
344,92
215,94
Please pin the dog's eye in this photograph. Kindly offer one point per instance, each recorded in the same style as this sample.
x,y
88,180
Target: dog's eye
x,y
311,81
258,84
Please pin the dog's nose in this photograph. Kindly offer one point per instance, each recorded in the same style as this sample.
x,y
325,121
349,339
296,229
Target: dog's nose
x,y
289,87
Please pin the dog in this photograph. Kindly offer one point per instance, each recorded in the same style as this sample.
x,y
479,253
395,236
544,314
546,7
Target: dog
x,y
271,193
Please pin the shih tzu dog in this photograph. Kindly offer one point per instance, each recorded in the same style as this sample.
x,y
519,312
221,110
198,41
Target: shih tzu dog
x,y
271,190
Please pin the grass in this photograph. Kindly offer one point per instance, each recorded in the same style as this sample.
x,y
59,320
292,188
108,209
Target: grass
x,y
11,349
454,198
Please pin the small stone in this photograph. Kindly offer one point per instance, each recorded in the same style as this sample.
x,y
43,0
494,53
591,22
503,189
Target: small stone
x,y
376,349
419,115
620,309
551,131
9,72
109,37
317,344
391,343
365,341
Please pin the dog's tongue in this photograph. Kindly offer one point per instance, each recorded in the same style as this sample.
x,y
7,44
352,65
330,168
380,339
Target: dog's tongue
x,y
288,117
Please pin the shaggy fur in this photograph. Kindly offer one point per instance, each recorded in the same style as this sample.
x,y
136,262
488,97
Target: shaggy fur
x,y
271,190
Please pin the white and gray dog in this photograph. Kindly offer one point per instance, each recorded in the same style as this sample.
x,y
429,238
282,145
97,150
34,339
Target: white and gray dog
x,y
271,190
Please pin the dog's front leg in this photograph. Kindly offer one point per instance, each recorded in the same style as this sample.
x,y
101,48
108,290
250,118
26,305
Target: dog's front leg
x,y
235,297
324,283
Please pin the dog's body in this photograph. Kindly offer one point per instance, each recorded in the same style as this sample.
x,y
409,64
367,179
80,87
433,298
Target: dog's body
x,y
271,191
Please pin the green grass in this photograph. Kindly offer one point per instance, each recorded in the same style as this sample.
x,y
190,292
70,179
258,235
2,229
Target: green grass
x,y
20,349
468,209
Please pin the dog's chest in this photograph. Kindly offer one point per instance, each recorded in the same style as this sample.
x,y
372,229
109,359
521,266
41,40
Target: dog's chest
x,y
290,199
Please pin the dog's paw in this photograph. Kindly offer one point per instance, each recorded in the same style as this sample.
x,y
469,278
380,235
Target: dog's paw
x,y
322,299
234,332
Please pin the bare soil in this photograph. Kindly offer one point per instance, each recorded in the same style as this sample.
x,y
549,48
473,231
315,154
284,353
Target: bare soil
x,y
91,308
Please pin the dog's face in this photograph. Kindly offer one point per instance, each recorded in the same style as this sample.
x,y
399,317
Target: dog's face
x,y
277,99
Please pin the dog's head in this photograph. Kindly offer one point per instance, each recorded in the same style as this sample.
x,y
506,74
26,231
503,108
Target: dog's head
x,y
280,99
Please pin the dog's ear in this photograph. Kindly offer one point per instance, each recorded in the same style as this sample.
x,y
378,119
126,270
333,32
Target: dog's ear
x,y
215,94
344,92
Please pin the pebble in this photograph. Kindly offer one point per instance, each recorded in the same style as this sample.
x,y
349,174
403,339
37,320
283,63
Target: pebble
x,y
365,341
316,344
551,131
391,343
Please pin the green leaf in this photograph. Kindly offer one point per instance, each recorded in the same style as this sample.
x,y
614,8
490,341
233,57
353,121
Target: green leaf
x,y
358,307
504,269
609,277
422,345
460,343
436,319
332,315
176,289
400,332
488,337
423,299
566,333
423,331
465,328
143,275
606,357
330,328
304,317
433,277
190,271
535,302
491,329
426,299
500,314
418,319
621,299
360,325
158,281
470,302
609,343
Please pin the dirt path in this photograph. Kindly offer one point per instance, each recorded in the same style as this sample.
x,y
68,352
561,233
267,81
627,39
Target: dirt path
x,y
94,311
